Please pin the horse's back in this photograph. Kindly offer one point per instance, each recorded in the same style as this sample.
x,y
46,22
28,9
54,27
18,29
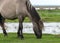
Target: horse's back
x,y
12,8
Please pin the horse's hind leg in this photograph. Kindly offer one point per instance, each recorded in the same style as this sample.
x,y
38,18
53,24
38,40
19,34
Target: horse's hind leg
x,y
2,25
20,34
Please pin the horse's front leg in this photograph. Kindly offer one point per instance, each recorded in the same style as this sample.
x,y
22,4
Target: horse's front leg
x,y
20,33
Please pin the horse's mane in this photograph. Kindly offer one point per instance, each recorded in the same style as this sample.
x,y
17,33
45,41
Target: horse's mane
x,y
32,10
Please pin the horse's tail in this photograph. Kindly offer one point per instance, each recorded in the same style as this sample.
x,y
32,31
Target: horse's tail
x,y
34,13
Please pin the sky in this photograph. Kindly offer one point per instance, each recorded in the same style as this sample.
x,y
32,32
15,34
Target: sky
x,y
45,2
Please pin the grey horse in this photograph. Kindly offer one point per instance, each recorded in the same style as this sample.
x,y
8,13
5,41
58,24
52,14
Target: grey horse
x,y
12,9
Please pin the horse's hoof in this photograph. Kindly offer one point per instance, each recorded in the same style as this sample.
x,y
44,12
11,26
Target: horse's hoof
x,y
5,35
39,37
21,37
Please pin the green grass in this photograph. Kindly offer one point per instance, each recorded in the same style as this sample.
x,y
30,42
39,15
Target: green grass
x,y
50,15
16,20
29,38
46,15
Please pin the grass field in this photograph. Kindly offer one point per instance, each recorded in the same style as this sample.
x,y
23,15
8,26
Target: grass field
x,y
46,15
50,15
29,38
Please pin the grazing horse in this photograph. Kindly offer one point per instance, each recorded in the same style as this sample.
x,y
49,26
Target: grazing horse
x,y
12,9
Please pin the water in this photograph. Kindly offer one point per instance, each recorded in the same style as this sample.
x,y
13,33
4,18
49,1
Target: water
x,y
49,28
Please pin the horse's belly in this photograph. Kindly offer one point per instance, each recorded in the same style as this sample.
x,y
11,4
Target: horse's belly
x,y
10,16
9,13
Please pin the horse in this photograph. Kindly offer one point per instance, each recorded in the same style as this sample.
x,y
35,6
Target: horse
x,y
12,9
